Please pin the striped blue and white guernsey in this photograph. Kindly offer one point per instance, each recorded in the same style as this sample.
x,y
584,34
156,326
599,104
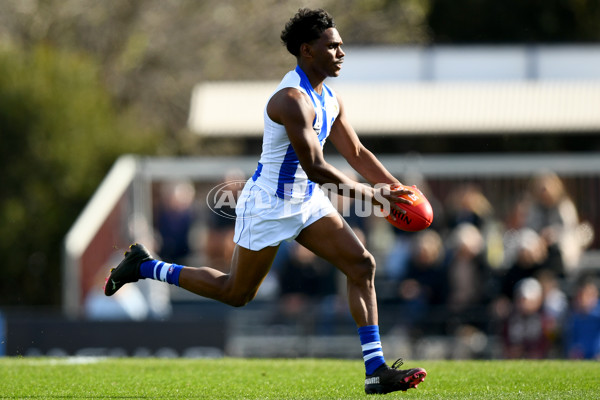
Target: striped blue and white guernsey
x,y
279,169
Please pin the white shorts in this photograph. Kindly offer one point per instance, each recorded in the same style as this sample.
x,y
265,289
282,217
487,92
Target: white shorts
x,y
263,219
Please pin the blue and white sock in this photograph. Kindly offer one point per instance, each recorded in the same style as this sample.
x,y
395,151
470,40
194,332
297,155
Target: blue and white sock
x,y
161,271
371,347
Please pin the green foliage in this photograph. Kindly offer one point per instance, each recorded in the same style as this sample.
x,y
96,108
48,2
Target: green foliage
x,y
60,134
288,379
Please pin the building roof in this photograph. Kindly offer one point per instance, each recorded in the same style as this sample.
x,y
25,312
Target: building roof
x,y
442,90
391,108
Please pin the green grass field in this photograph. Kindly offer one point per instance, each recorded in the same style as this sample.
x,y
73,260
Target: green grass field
x,y
81,378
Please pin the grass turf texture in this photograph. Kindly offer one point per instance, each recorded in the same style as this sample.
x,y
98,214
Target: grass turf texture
x,y
81,378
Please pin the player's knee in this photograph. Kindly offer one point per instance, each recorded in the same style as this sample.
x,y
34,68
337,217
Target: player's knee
x,y
364,270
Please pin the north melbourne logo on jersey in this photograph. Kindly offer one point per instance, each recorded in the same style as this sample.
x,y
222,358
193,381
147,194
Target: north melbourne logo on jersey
x,y
372,381
318,124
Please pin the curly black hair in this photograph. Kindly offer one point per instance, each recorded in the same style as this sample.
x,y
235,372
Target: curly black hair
x,y
304,27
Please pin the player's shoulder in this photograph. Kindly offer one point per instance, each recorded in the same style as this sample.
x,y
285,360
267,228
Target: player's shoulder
x,y
291,80
290,87
290,96
289,102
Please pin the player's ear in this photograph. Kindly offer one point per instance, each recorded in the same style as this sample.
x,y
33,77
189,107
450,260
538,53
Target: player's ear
x,y
305,50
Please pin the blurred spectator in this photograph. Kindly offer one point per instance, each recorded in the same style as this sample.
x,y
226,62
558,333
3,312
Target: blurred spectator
x,y
218,246
516,216
529,255
355,211
424,284
467,204
553,215
398,257
306,275
582,336
156,294
469,343
175,218
305,280
526,331
555,304
467,272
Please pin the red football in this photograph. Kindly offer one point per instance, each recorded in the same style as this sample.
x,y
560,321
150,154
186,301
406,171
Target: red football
x,y
418,216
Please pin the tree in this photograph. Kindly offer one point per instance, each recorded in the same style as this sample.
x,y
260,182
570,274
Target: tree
x,y
60,134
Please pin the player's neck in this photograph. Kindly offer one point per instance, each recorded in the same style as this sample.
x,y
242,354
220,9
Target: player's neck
x,y
315,78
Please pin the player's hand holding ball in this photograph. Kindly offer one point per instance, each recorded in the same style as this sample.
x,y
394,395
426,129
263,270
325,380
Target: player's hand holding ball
x,y
412,212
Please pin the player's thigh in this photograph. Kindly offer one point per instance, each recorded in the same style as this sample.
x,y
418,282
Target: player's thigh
x,y
249,268
334,240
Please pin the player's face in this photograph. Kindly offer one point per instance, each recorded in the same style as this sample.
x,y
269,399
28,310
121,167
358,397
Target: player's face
x,y
328,52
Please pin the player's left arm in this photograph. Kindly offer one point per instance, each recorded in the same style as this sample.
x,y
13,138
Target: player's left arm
x,y
347,143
